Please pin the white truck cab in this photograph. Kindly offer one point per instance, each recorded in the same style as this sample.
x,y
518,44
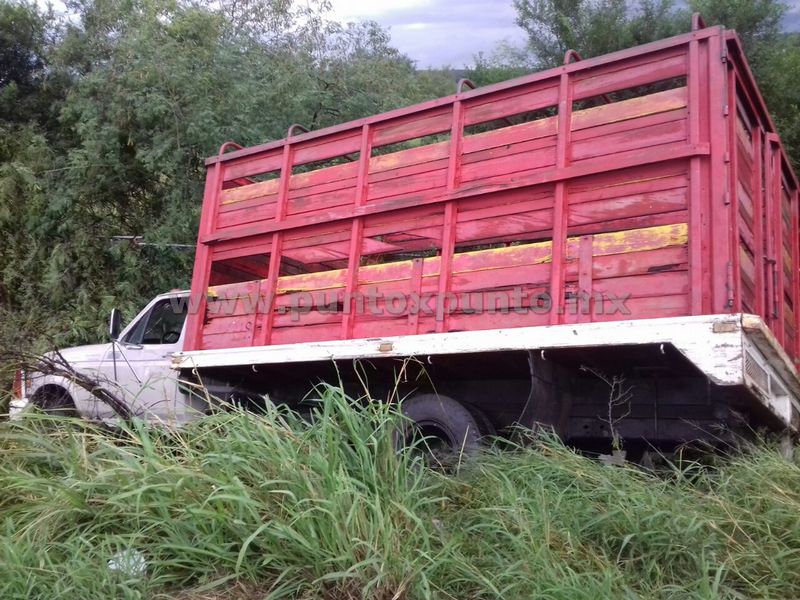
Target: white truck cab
x,y
135,366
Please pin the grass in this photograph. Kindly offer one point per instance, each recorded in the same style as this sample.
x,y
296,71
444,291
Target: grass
x,y
244,506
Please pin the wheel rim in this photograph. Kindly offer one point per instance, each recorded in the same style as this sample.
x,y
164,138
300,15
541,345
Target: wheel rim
x,y
432,438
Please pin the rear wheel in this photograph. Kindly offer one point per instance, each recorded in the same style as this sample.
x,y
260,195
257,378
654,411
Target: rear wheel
x,y
440,425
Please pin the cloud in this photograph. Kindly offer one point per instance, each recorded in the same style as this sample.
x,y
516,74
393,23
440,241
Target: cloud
x,y
438,32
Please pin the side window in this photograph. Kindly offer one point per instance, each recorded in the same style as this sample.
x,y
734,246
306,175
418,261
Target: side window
x,y
161,325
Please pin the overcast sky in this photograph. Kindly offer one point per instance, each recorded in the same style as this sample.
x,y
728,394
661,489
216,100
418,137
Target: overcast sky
x,y
438,33
450,32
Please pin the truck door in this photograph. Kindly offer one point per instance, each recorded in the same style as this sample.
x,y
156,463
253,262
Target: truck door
x,y
143,360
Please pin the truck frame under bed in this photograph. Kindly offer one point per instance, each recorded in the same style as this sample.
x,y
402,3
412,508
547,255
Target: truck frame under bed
x,y
735,351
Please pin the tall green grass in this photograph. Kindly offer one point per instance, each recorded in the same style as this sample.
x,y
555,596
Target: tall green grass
x,y
273,506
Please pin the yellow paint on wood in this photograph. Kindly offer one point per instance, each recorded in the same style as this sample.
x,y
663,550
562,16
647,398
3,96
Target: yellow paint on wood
x,y
247,192
537,253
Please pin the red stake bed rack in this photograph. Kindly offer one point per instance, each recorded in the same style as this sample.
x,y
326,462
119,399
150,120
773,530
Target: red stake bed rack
x,y
645,183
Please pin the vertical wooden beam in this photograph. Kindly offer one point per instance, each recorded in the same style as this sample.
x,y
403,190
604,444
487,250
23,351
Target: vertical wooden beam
x,y
356,235
758,222
770,264
456,147
779,329
735,278
276,247
417,265
721,265
586,302
450,217
201,274
560,207
695,183
795,273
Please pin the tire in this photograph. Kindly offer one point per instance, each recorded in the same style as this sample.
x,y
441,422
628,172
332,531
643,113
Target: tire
x,y
440,425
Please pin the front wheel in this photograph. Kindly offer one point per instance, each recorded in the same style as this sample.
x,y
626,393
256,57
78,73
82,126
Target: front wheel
x,y
440,425
54,400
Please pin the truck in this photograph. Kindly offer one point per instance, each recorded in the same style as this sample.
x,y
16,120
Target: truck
x,y
608,247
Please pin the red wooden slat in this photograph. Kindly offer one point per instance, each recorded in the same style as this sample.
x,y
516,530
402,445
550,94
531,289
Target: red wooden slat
x,y
620,76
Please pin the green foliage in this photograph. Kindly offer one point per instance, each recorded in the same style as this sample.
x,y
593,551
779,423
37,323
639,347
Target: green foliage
x,y
756,21
592,27
242,506
106,119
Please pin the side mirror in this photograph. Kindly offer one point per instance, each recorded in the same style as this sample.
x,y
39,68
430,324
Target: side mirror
x,y
114,324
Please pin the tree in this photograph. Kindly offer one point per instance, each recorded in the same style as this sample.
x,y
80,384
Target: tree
x,y
126,100
757,22
592,27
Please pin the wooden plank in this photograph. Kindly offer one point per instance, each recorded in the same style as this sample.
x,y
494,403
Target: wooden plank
x,y
511,102
321,202
504,165
253,164
247,214
631,139
247,192
630,223
421,155
508,149
628,206
322,180
408,186
437,120
319,149
651,104
542,129
628,74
